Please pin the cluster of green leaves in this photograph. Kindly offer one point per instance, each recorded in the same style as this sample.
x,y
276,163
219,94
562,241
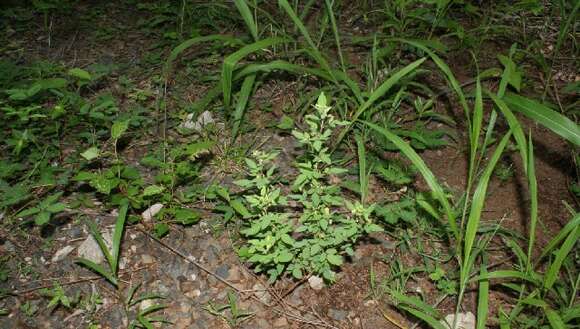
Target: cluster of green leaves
x,y
325,225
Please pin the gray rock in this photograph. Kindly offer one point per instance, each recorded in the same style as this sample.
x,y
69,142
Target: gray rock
x,y
62,253
337,315
223,271
9,246
261,292
296,296
90,249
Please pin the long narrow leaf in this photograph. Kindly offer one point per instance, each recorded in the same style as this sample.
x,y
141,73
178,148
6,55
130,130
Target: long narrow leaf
x,y
191,42
231,61
424,170
247,87
118,235
553,271
380,92
477,205
571,225
431,321
545,116
99,269
482,298
248,17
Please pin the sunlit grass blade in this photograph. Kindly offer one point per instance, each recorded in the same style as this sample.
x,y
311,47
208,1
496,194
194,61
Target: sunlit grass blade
x,y
378,93
571,225
477,203
99,269
335,32
362,168
191,42
510,274
515,127
437,190
118,235
483,297
94,230
246,14
545,116
298,23
553,271
533,190
554,319
247,87
281,65
231,61
455,85
431,321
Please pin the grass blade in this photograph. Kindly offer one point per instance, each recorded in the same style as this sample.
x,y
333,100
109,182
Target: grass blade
x,y
99,269
533,188
554,319
424,170
231,61
478,201
431,321
247,87
515,127
362,168
509,274
545,116
94,230
298,23
554,269
246,14
483,297
335,32
378,93
191,42
571,225
118,235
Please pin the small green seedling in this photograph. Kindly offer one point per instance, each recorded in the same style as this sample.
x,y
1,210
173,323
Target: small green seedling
x,y
44,210
143,318
112,258
235,317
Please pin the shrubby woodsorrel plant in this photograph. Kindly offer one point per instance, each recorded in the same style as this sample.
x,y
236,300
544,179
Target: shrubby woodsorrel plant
x,y
326,226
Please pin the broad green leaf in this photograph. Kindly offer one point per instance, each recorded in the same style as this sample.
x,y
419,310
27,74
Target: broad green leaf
x,y
91,153
80,74
153,190
119,128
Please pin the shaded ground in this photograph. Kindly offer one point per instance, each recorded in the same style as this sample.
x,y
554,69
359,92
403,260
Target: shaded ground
x,y
187,288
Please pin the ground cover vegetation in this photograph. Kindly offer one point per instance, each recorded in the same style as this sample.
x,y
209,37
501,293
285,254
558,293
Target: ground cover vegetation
x,y
419,157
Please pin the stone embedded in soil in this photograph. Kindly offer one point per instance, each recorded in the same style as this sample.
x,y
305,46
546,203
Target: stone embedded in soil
x,y
261,293
62,253
464,321
337,315
296,296
223,271
280,323
90,249
147,259
148,214
316,282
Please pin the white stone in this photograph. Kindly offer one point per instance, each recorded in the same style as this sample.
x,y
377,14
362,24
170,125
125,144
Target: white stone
x,y
148,214
202,120
316,282
61,254
464,321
